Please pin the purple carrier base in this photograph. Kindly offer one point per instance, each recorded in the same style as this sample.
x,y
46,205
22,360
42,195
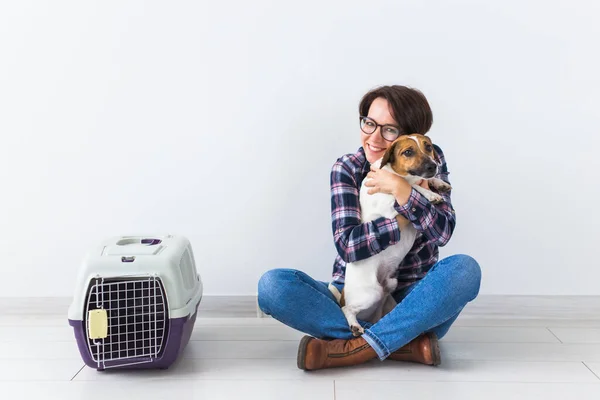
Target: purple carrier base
x,y
180,331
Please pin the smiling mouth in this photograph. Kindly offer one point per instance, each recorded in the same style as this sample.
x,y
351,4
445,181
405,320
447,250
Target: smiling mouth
x,y
375,149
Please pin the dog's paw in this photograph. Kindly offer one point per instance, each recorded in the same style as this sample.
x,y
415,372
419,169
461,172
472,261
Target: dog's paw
x,y
391,284
443,188
436,199
440,185
357,330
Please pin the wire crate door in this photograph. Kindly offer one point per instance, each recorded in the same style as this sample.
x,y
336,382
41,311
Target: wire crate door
x,y
126,320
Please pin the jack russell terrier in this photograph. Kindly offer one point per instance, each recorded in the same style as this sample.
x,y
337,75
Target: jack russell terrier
x,y
369,283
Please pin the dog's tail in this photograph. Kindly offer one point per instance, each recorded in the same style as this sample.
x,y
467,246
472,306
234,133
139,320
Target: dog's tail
x,y
339,297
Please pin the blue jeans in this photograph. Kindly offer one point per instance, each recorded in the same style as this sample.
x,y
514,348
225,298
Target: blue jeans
x,y
429,305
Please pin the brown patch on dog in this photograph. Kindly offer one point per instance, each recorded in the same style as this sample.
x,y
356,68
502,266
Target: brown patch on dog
x,y
405,154
342,301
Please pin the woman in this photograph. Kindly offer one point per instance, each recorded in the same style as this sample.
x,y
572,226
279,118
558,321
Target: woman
x,y
431,292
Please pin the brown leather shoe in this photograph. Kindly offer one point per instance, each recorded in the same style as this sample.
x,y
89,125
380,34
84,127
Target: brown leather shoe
x,y
317,354
424,349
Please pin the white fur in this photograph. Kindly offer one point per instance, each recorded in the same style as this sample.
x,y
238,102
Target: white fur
x,y
416,141
370,282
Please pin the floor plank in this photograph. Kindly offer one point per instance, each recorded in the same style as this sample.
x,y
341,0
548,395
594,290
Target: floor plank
x,y
533,307
37,333
245,333
25,350
528,322
500,335
236,349
39,370
577,335
594,367
182,390
520,351
359,390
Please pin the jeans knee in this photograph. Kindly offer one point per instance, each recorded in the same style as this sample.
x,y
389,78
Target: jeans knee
x,y
269,286
467,273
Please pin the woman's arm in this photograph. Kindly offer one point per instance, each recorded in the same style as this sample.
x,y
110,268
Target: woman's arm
x,y
353,239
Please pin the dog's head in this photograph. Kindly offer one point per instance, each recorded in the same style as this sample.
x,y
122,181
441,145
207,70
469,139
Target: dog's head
x,y
411,155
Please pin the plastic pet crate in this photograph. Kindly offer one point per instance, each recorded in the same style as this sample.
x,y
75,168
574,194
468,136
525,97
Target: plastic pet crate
x,y
135,302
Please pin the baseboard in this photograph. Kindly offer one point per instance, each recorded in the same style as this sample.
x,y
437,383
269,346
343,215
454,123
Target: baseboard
x,y
485,306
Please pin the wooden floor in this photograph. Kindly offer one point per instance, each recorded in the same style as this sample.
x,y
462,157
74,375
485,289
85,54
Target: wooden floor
x,y
233,354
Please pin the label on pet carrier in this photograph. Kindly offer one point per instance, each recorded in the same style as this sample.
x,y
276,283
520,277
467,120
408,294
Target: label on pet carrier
x,y
98,324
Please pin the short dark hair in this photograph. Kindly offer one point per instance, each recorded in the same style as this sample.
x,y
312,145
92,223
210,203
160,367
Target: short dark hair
x,y
409,107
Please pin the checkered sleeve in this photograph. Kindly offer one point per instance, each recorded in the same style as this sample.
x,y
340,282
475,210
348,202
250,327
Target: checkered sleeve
x,y
436,222
353,239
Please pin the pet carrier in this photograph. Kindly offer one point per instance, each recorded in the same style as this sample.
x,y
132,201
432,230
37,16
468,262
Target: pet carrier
x,y
135,302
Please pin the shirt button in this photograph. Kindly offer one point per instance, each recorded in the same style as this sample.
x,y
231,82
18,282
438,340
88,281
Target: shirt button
x,y
414,210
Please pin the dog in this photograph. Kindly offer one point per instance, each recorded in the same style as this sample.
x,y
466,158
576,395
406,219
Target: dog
x,y
369,283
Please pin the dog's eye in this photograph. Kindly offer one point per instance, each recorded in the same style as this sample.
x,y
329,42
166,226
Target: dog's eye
x,y
408,152
428,147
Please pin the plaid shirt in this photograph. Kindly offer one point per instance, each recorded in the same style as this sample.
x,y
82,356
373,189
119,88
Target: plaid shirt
x,y
356,241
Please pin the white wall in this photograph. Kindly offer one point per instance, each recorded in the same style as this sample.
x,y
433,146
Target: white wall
x,y
145,116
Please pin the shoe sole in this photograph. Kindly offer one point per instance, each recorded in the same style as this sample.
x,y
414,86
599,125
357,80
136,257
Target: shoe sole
x,y
302,352
436,356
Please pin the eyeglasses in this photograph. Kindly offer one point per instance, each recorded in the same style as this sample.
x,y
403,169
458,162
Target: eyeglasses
x,y
388,132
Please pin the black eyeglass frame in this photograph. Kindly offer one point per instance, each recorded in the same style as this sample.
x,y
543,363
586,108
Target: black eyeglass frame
x,y
381,131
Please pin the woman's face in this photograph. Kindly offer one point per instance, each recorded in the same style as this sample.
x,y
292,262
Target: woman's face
x,y
374,144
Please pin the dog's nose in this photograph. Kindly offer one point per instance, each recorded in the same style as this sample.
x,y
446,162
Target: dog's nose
x,y
430,168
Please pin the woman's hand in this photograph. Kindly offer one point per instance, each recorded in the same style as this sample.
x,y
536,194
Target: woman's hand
x,y
382,181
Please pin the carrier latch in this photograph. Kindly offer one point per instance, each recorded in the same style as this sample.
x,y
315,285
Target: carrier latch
x,y
98,324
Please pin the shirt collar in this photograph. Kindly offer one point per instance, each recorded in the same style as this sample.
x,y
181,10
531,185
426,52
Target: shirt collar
x,y
362,159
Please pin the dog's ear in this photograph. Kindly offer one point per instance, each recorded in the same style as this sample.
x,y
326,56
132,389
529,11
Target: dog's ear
x,y
390,154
